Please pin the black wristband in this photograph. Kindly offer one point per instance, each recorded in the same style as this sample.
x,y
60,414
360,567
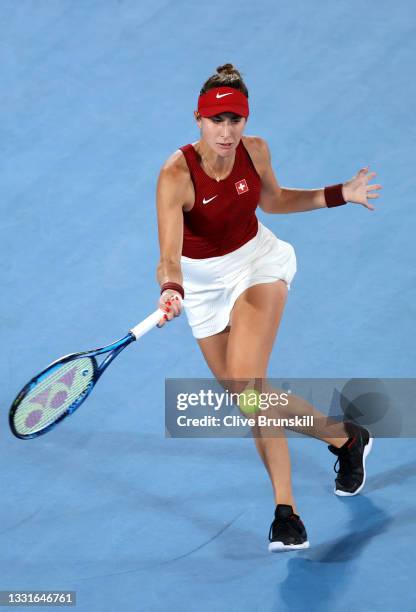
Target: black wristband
x,y
333,195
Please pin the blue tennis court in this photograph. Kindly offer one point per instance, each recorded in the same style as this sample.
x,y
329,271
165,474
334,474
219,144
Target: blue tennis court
x,y
95,96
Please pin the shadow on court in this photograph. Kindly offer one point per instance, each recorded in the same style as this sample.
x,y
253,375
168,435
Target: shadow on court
x,y
313,577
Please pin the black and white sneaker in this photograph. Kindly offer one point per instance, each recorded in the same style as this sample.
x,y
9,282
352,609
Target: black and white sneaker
x,y
287,531
351,459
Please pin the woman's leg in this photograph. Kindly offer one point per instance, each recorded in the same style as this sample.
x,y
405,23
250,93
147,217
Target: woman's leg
x,y
214,349
244,352
255,320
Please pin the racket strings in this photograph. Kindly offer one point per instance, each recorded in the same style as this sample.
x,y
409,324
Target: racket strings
x,y
51,397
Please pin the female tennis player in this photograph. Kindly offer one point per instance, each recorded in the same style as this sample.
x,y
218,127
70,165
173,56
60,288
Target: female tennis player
x,y
232,275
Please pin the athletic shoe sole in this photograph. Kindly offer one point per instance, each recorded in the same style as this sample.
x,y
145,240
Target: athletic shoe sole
x,y
280,547
367,450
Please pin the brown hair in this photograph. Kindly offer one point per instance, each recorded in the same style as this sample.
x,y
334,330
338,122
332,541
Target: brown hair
x,y
227,76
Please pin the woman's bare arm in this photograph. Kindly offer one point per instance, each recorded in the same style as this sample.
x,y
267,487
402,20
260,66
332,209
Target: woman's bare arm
x,y
170,198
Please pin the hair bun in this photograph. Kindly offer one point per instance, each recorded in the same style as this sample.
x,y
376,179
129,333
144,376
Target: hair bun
x,y
227,69
227,75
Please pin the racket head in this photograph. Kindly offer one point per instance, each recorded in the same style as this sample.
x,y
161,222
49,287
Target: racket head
x,y
52,395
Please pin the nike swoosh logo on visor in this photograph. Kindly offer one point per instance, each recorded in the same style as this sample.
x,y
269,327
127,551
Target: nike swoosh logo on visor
x,y
222,95
204,201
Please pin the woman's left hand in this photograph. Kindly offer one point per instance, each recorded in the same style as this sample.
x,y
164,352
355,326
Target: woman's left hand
x,y
358,191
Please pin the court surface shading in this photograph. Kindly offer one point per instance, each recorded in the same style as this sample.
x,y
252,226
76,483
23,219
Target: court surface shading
x,y
95,96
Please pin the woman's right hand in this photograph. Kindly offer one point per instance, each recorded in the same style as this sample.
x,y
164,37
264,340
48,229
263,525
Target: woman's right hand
x,y
171,303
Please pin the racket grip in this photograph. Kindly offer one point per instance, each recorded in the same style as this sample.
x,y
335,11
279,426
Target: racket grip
x,y
147,324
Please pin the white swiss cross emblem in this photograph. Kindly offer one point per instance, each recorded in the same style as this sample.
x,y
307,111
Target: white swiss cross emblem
x,y
241,186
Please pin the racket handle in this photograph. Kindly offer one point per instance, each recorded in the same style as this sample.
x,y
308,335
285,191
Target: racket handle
x,y
147,324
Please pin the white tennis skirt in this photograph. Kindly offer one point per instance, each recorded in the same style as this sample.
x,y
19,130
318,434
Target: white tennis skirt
x,y
212,285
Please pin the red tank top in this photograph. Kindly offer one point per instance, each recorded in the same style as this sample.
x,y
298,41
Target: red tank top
x,y
223,216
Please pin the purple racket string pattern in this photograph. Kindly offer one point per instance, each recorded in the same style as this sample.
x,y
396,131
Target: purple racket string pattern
x,y
52,395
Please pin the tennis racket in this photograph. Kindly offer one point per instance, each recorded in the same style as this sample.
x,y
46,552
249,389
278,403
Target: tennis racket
x,y
60,389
